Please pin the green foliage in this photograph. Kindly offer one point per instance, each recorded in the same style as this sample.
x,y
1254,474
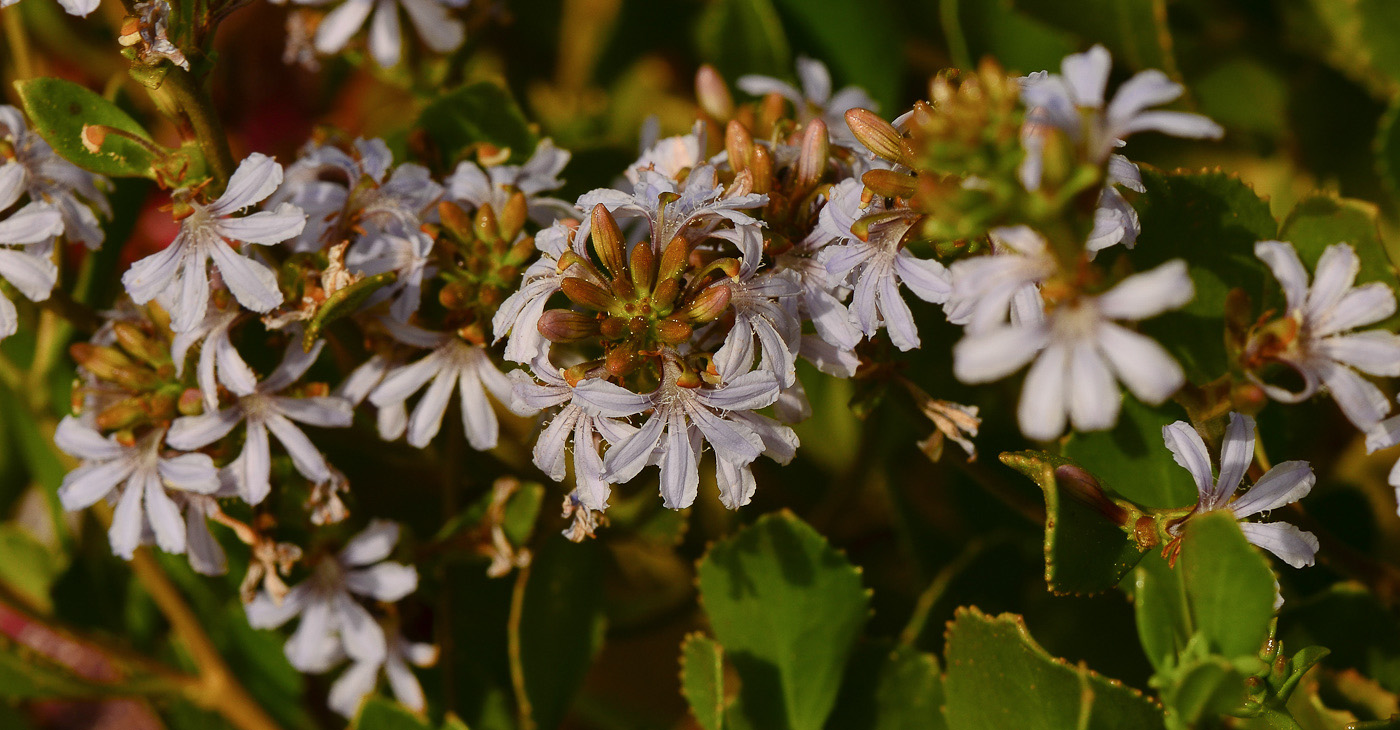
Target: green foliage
x,y
1319,221
1134,31
481,113
342,303
742,37
556,627
1084,551
998,677
60,110
1212,220
848,38
1229,586
1131,459
889,687
702,680
787,608
378,713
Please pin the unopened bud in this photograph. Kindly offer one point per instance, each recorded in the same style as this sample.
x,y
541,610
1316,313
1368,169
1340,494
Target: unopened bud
x,y
812,161
890,184
456,295
665,294
487,229
623,359
673,332
138,344
878,135
673,258
473,333
124,413
608,242
108,363
713,93
562,325
708,305
191,402
771,109
588,295
1084,488
762,170
456,220
521,251
738,143
643,267
513,216
615,328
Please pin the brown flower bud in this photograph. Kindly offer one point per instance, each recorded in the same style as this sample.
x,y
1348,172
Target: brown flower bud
x,y
623,359
673,258
588,295
713,93
739,144
816,148
563,325
708,305
455,220
879,136
608,242
138,344
643,267
673,332
191,402
513,216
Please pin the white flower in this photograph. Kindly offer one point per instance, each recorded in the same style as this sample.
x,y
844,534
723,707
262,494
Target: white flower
x,y
262,410
1324,349
986,290
409,255
693,209
392,419
1285,483
1081,354
572,423
765,311
495,184
31,271
206,234
815,99
216,352
682,420
821,297
876,268
137,478
453,364
332,621
35,170
670,156
1073,102
440,32
519,315
80,8
360,679
1115,220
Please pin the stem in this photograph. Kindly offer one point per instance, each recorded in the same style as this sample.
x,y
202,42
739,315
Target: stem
x,y
517,667
198,110
923,608
18,41
217,688
10,376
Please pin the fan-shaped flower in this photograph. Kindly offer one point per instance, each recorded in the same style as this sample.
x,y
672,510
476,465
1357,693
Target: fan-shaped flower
x,y
1283,484
34,169
440,31
207,233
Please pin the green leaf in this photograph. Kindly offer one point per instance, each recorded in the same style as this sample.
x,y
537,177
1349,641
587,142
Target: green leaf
x,y
1246,95
29,568
1131,458
480,113
999,677
556,626
1163,617
344,302
787,608
1212,220
702,680
1362,633
743,37
452,722
1229,586
1084,551
59,110
1388,149
855,44
1356,38
1319,221
1206,687
378,713
889,687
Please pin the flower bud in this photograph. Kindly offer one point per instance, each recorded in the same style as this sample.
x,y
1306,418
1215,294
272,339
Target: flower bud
x,y
563,325
1084,488
673,258
739,144
484,222
673,331
456,295
513,216
762,170
608,242
125,413
812,160
890,184
713,93
708,305
643,267
587,295
623,359
771,109
878,135
615,328
138,343
456,220
108,363
191,402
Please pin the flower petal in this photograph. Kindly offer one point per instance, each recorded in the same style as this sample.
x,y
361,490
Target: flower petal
x,y
386,581
1290,544
1285,483
1189,451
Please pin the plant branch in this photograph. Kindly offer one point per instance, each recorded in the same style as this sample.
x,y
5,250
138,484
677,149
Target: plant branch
x,y
18,41
197,108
